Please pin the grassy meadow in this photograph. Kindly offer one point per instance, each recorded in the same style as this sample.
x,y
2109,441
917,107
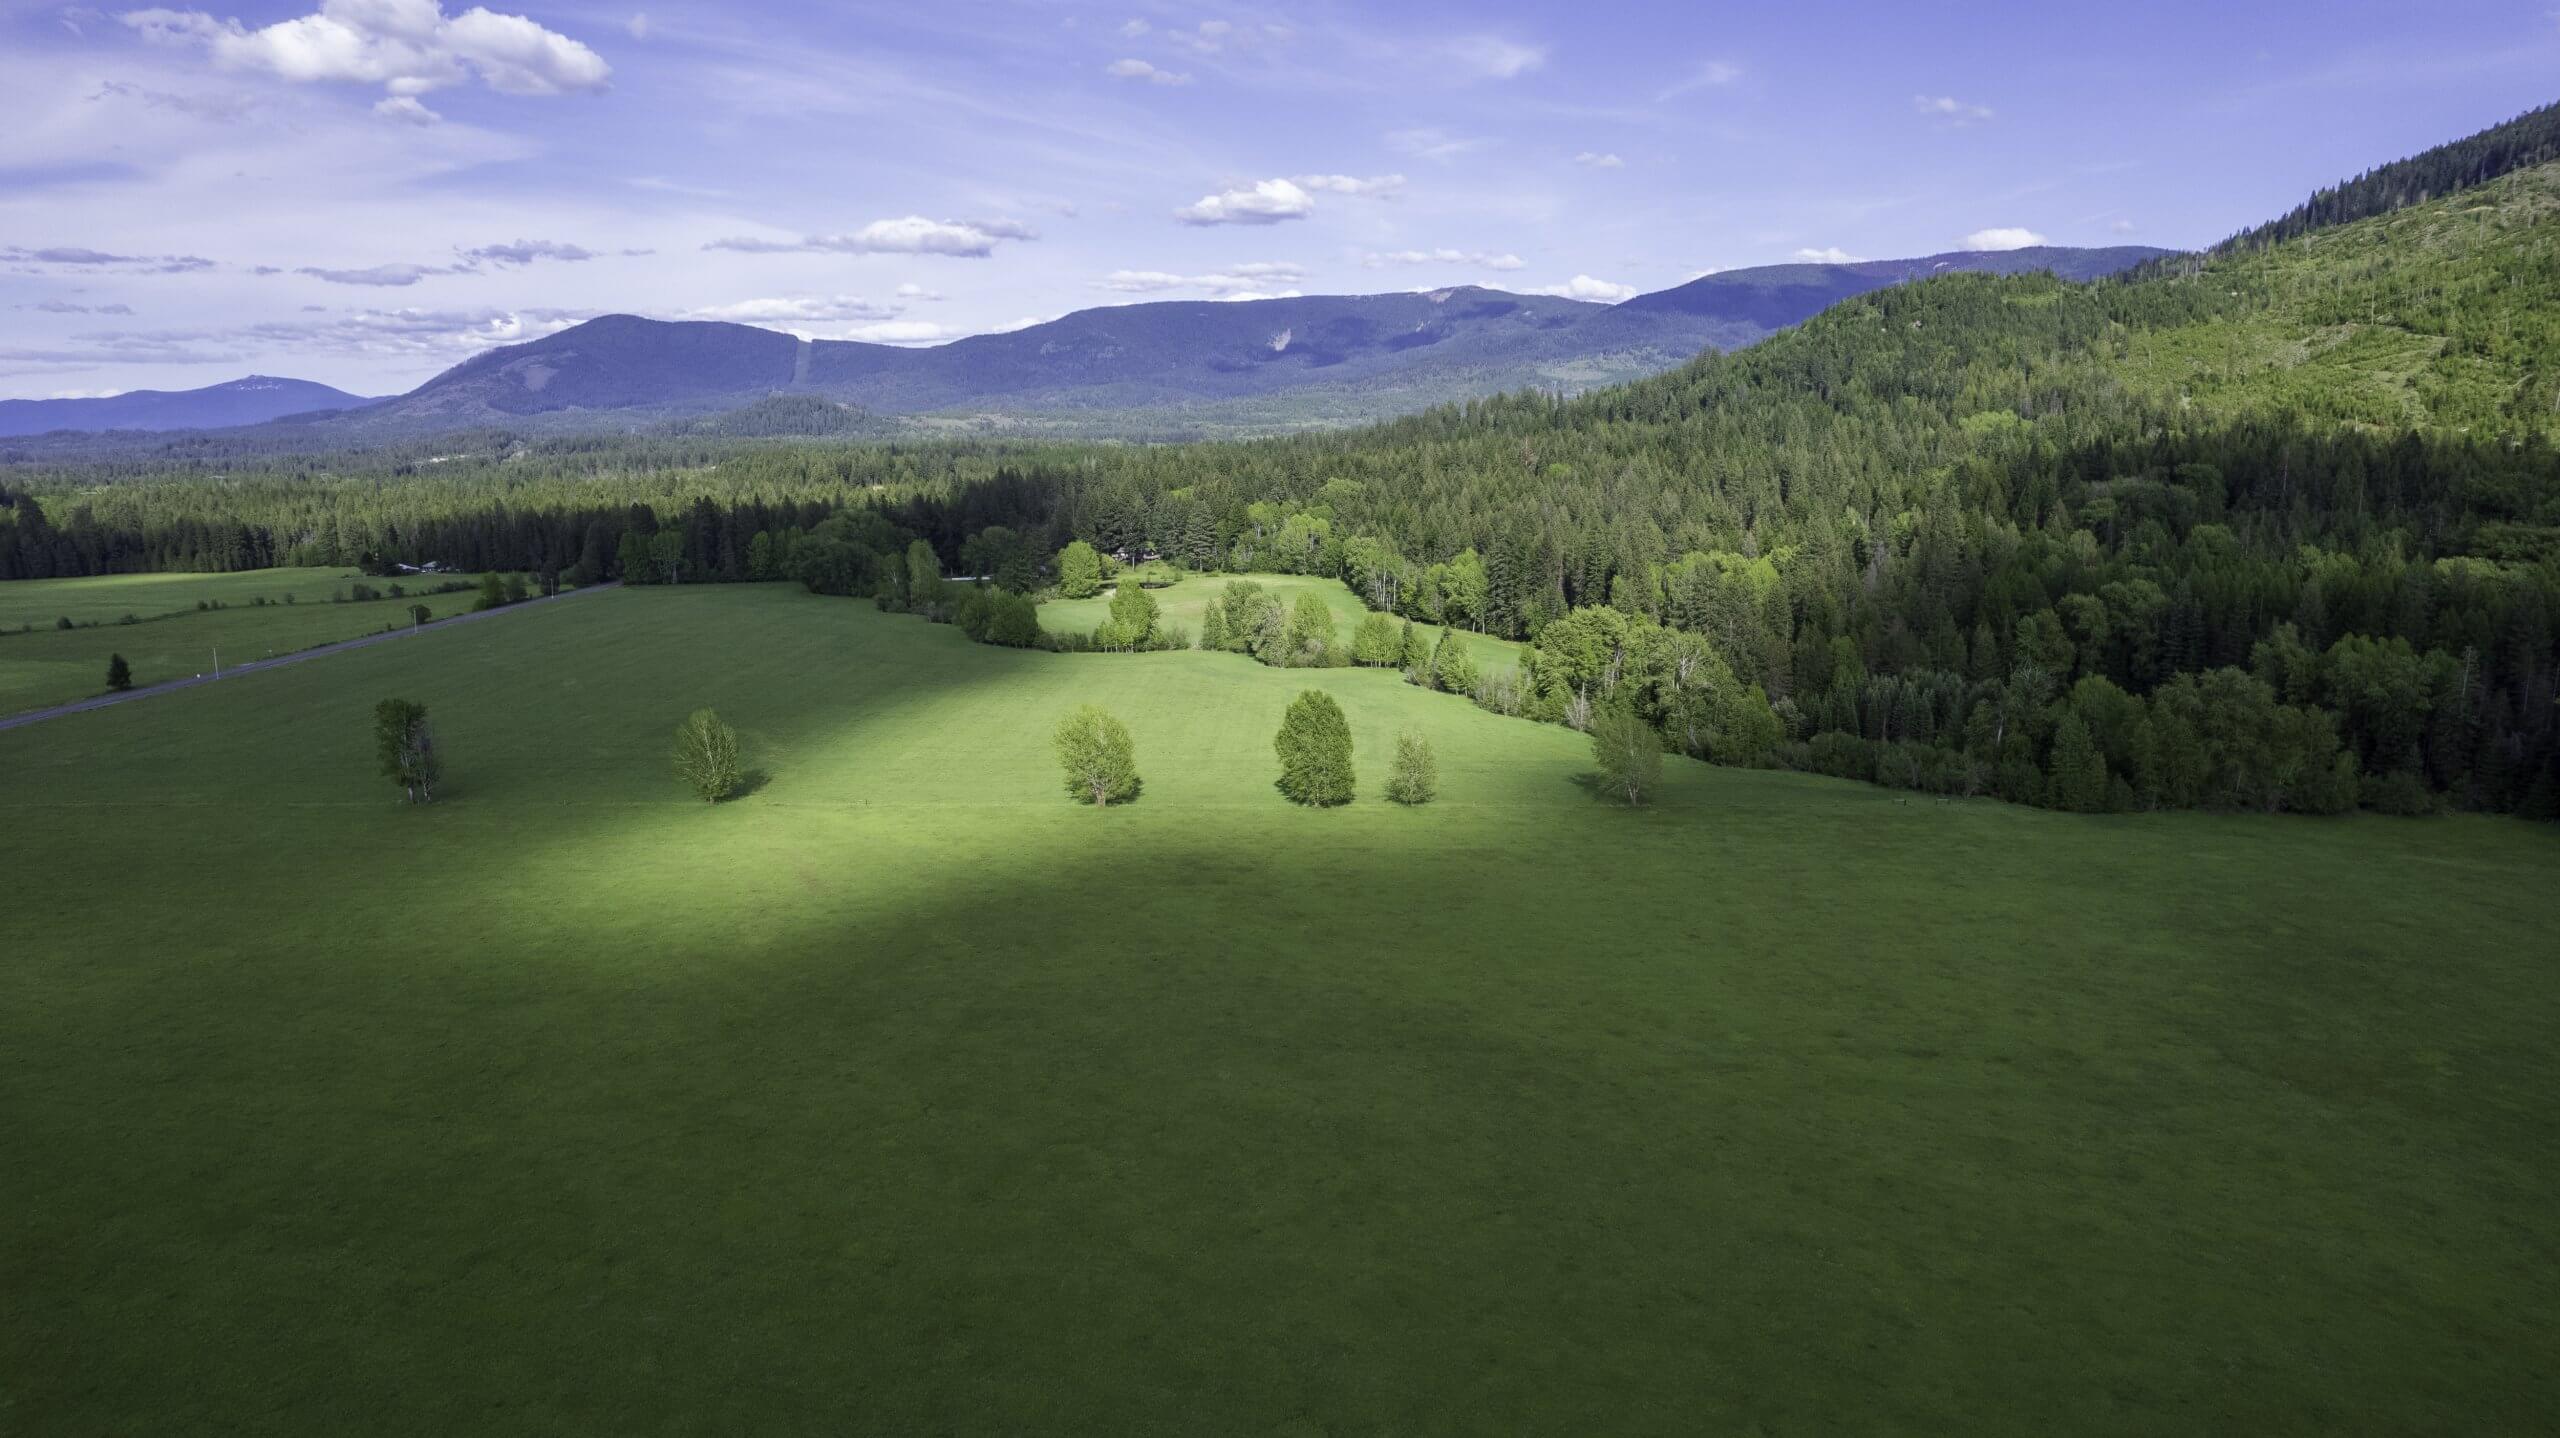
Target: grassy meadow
x,y
901,1095
46,665
1187,600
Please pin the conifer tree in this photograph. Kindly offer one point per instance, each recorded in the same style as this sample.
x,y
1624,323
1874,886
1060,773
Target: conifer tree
x,y
119,673
2078,779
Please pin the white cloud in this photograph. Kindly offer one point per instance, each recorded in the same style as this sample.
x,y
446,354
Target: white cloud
x,y
901,332
2002,237
525,252
1134,28
1599,161
821,309
1493,58
913,291
1584,287
1713,74
408,109
637,27
1254,281
1265,202
1950,109
1429,143
1831,255
1350,185
379,276
2121,227
1480,259
409,47
1141,70
908,235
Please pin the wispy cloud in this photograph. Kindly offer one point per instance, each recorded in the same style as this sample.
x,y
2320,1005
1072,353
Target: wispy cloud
x,y
76,257
1260,281
1948,108
1141,70
525,252
1600,161
1431,143
908,235
1709,75
1829,255
1478,259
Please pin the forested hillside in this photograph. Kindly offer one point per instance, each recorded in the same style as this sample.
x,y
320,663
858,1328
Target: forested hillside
x,y
2280,529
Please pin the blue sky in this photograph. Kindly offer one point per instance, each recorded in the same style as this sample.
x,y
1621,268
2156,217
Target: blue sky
x,y
363,192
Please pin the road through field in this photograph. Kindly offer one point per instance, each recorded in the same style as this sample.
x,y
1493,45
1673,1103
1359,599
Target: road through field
x,y
38,716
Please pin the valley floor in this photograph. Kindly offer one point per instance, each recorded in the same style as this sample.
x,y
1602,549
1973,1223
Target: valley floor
x,y
901,1095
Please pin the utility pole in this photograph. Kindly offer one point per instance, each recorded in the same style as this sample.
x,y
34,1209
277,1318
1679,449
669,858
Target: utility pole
x,y
217,661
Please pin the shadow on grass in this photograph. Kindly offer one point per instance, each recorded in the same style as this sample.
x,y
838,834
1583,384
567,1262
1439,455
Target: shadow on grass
x,y
751,782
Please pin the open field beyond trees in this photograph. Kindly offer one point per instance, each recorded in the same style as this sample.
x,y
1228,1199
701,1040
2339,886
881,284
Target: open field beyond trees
x,y
901,1095
173,639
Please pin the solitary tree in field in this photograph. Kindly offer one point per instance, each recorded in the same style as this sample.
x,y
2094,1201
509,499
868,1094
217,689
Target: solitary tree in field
x,y
1415,778
420,614
1100,761
493,592
707,756
1628,751
407,748
1079,571
119,673
1314,744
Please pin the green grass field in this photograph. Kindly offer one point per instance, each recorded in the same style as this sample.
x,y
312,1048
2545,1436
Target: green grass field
x,y
106,598
47,665
1185,602
900,1095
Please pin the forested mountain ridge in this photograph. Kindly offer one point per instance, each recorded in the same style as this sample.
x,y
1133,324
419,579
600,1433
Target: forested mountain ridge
x,y
2279,530
1160,370
254,399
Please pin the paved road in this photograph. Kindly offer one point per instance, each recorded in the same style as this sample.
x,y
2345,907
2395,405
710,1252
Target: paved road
x,y
38,716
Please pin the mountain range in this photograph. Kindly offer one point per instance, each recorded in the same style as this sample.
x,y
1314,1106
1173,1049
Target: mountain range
x,y
1161,367
254,399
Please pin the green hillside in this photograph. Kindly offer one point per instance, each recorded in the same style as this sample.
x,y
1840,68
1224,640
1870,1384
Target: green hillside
x,y
902,1094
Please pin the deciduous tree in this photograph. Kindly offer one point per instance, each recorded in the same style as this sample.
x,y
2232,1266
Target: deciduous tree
x,y
1314,744
706,756
1100,760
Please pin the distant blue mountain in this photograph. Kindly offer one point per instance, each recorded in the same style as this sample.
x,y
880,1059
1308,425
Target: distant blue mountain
x,y
253,400
1270,363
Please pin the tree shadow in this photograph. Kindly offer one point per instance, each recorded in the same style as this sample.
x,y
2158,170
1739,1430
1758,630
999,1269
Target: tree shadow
x,y
750,782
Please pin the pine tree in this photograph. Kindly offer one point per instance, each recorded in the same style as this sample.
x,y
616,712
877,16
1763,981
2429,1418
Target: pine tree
x,y
2079,771
1453,669
119,673
1213,627
1413,655
1314,745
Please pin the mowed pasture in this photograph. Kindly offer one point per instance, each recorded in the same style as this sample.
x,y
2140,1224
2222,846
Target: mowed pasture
x,y
1186,602
46,665
106,598
902,1095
